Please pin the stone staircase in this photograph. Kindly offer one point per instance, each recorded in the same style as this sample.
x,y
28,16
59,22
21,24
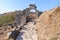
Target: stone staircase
x,y
28,32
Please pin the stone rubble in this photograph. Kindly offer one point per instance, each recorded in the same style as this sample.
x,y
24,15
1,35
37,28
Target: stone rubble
x,y
28,32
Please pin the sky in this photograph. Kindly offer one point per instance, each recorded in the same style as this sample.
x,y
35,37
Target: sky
x,y
12,5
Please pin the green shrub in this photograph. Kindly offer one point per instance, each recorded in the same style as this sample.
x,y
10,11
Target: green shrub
x,y
7,19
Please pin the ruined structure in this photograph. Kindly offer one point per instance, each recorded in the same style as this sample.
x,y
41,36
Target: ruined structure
x,y
23,17
32,15
26,15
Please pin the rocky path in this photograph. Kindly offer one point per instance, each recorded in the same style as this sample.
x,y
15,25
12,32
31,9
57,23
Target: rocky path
x,y
28,32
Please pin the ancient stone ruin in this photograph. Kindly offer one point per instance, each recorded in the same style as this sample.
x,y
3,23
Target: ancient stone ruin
x,y
24,24
26,15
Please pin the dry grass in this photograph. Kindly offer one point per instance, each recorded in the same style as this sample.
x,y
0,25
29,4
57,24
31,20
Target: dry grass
x,y
49,25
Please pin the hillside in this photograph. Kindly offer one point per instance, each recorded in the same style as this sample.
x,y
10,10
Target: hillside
x,y
7,18
48,25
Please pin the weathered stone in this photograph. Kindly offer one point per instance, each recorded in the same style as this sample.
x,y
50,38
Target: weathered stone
x,y
13,35
29,33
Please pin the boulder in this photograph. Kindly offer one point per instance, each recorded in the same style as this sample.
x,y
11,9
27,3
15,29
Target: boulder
x,y
13,35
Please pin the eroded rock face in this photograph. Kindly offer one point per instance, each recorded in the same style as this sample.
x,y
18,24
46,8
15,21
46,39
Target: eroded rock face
x,y
48,26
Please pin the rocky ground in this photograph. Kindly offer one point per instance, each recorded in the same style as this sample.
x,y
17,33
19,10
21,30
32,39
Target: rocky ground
x,y
28,32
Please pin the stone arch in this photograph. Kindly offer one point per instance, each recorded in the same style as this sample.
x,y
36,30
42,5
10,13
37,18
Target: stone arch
x,y
32,15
